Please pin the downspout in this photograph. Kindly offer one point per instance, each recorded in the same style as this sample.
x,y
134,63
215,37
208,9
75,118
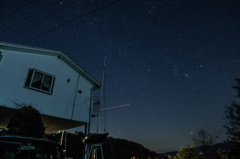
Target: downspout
x,y
87,125
74,103
87,131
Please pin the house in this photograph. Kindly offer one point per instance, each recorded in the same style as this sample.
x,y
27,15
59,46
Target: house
x,y
48,81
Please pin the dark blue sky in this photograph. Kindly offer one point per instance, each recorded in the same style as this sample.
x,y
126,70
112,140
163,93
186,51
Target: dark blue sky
x,y
173,62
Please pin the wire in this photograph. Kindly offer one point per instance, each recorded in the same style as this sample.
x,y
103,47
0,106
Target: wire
x,y
74,19
10,6
8,28
25,4
10,37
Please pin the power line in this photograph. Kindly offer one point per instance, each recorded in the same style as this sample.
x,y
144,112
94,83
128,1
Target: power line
x,y
8,28
10,6
25,4
47,16
74,19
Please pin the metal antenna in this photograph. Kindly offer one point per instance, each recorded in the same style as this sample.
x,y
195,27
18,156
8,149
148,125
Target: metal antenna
x,y
101,93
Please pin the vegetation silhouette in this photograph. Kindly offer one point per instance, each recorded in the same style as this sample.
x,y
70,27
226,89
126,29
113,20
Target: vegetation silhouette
x,y
124,149
26,122
184,153
112,148
232,123
203,140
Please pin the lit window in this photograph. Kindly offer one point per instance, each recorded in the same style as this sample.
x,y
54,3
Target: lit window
x,y
40,81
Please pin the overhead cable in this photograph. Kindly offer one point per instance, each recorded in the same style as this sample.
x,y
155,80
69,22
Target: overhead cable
x,y
10,27
40,21
70,21
25,4
10,6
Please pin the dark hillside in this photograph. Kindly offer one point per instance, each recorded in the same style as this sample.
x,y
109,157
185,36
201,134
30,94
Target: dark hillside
x,y
213,148
112,148
124,149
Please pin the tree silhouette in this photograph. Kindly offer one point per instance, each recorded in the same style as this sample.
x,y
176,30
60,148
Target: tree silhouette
x,y
232,122
26,122
232,118
202,139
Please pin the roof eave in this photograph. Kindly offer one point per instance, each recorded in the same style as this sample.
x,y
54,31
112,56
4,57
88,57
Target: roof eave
x,y
29,49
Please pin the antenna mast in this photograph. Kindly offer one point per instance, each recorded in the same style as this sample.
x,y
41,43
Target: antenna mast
x,y
101,93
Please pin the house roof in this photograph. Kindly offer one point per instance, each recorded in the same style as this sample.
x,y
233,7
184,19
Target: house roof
x,y
29,49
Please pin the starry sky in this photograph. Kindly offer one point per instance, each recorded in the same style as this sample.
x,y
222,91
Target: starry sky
x,y
170,64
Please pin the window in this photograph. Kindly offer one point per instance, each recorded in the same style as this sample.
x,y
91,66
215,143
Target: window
x,y
40,81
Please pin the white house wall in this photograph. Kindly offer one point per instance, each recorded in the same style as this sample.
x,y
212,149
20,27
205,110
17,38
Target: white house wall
x,y
14,68
82,102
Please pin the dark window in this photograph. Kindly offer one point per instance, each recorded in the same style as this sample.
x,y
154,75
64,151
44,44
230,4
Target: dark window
x,y
40,81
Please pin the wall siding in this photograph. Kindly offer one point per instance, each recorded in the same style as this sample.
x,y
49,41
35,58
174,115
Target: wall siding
x,y
14,68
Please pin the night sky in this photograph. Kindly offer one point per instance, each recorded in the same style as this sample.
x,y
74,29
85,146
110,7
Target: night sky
x,y
170,64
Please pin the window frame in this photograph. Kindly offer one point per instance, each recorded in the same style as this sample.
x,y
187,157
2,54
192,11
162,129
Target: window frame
x,y
29,80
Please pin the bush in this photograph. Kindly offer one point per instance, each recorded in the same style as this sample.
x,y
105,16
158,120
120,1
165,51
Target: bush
x,y
26,122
